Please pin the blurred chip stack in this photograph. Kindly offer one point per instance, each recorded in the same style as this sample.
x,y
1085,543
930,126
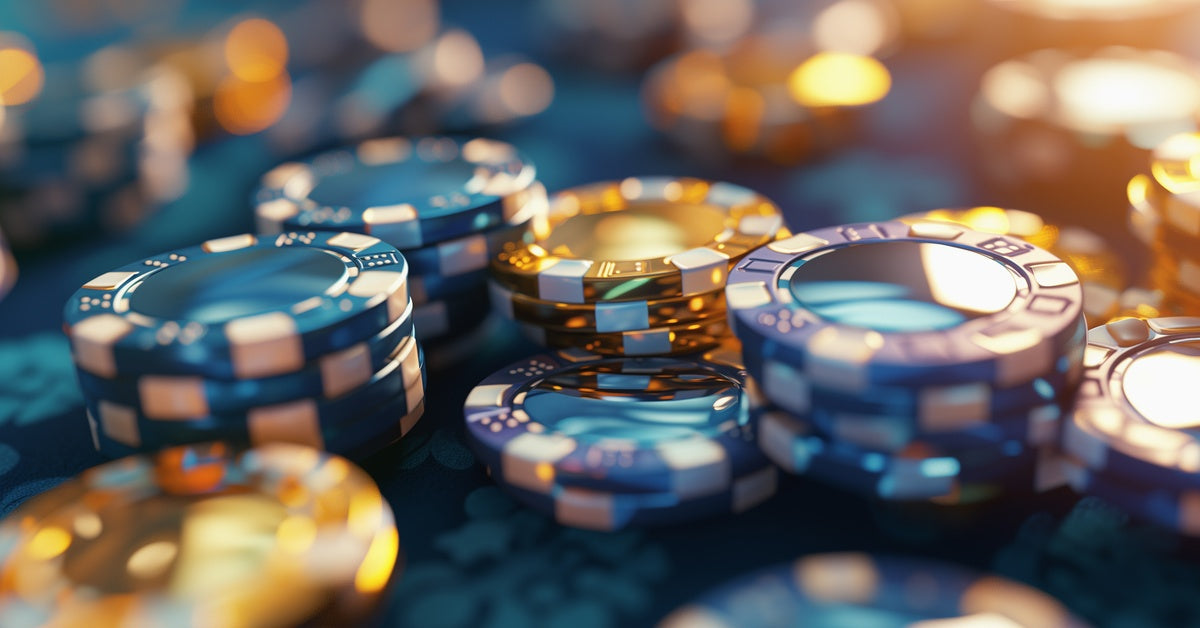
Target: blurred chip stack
x,y
772,95
449,205
304,337
909,360
632,267
1060,132
87,144
1164,213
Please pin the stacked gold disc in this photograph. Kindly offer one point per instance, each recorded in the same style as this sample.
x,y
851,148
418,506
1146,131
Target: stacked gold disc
x,y
1164,213
632,267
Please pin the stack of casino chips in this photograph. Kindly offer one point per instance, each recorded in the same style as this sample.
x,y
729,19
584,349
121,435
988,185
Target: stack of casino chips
x,y
87,144
1164,213
909,360
608,442
202,535
449,205
633,267
303,337
1131,438
1050,137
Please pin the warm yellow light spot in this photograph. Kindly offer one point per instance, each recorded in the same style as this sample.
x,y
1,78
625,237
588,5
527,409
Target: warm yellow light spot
x,y
245,107
839,79
544,471
526,89
48,543
152,559
296,534
256,50
380,560
696,304
366,508
20,76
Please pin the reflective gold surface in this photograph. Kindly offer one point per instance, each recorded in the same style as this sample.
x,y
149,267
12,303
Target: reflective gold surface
x,y
200,536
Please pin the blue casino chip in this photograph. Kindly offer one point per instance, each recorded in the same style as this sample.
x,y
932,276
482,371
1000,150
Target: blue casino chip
x,y
1168,506
859,589
880,304
680,426
409,193
607,511
182,397
1135,414
238,307
930,409
310,421
920,471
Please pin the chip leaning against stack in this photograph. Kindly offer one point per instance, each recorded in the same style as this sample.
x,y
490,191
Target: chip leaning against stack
x,y
85,150
448,205
910,361
632,267
304,337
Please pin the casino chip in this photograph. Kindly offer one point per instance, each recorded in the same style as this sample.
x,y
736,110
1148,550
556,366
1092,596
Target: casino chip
x,y
200,535
1049,136
632,267
909,359
1134,420
1102,273
608,442
856,589
448,205
306,337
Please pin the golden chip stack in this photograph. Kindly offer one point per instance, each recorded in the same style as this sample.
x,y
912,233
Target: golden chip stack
x,y
633,267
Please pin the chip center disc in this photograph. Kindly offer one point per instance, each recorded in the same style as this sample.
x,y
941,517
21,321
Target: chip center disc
x,y
218,288
901,286
641,231
1157,381
645,401
174,543
383,185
